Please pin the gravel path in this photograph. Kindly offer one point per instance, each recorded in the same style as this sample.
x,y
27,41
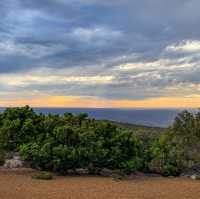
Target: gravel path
x,y
19,185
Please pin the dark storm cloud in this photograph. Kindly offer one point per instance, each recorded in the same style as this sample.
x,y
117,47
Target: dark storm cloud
x,y
144,26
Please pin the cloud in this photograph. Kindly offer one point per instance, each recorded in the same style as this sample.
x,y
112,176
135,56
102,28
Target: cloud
x,y
110,50
185,46
35,51
96,35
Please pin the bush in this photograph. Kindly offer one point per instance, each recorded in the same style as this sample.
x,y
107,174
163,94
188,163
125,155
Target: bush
x,y
2,158
164,156
128,167
70,149
178,148
64,142
43,176
170,170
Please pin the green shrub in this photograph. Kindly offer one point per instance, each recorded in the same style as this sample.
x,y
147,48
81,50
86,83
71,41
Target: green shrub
x,y
62,142
128,167
43,176
164,156
178,148
170,170
84,150
2,158
2,161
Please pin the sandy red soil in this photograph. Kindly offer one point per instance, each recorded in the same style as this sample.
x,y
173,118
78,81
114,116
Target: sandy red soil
x,y
20,185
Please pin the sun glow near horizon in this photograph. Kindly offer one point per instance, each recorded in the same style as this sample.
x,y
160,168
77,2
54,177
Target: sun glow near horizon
x,y
92,102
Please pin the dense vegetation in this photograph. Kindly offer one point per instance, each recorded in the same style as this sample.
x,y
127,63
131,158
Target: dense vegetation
x,y
66,142
59,143
179,147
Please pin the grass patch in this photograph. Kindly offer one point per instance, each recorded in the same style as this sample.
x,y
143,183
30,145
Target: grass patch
x,y
43,176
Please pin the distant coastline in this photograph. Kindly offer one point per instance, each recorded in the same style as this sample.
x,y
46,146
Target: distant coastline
x,y
146,117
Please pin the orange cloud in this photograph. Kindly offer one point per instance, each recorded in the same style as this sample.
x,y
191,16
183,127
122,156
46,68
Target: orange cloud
x,y
75,101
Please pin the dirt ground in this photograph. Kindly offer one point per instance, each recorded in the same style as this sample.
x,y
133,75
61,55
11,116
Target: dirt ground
x,y
20,185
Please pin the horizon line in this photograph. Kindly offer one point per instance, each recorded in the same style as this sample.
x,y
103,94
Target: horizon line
x,y
81,107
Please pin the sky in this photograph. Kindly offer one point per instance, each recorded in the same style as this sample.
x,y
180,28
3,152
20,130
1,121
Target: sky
x,y
100,53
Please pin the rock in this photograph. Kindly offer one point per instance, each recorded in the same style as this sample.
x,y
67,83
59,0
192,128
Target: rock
x,y
116,176
194,170
15,157
106,172
70,172
13,163
82,171
195,177
78,171
153,175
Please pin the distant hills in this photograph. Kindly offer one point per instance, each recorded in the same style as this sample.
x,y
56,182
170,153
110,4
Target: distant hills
x,y
141,128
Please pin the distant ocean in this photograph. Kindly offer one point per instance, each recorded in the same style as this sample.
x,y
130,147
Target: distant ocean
x,y
149,117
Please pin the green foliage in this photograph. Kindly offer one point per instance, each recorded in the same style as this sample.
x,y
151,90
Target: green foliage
x,y
2,158
43,176
102,146
164,157
130,166
186,135
59,143
178,148
18,125
67,142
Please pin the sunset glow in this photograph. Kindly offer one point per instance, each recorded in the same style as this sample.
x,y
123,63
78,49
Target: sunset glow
x,y
71,101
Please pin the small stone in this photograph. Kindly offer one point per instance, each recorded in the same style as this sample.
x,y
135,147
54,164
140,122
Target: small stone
x,y
11,164
82,171
70,172
14,163
106,172
195,177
